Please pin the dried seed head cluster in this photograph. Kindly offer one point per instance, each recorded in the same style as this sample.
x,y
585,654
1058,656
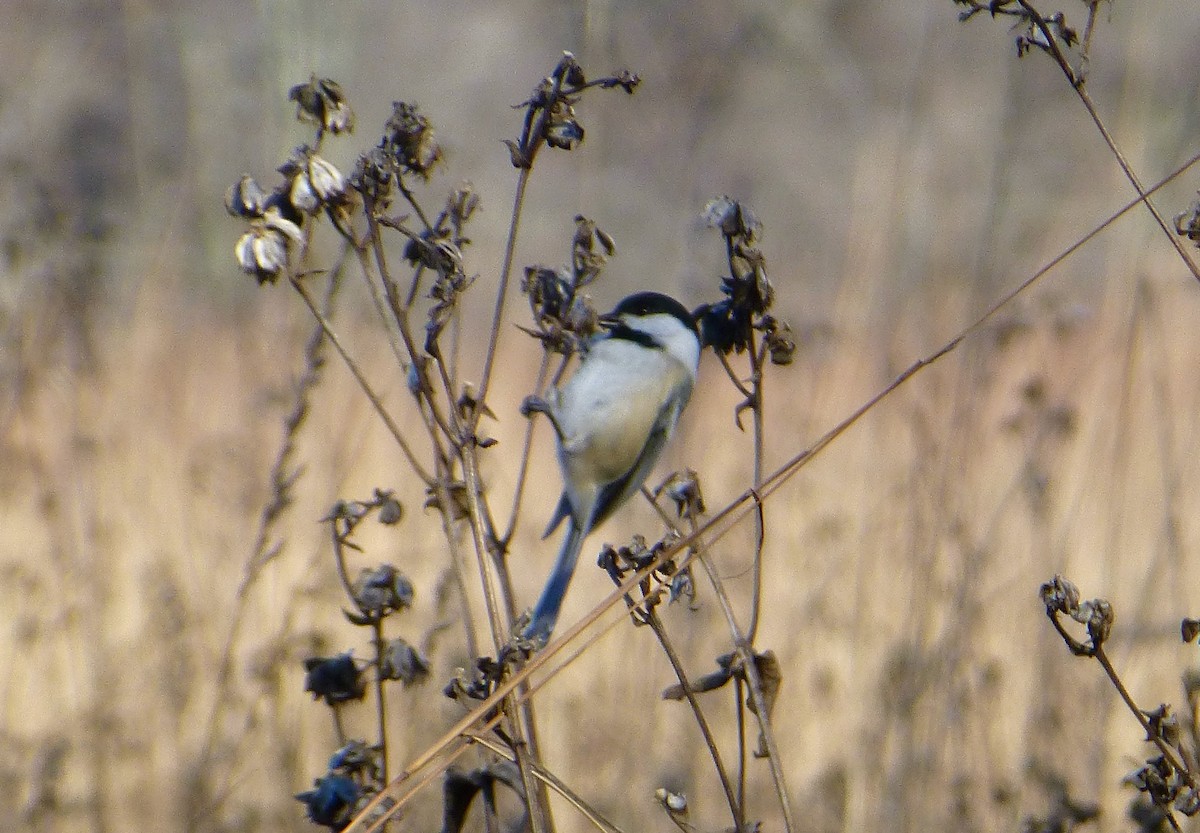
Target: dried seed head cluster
x,y
621,562
263,250
409,140
1165,785
1034,35
352,780
382,590
1060,596
337,679
728,325
310,183
316,183
550,116
322,102
564,318
683,488
1049,33
480,681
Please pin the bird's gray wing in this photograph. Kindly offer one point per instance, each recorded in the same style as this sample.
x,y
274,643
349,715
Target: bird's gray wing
x,y
618,491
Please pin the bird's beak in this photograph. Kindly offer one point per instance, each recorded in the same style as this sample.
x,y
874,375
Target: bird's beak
x,y
609,320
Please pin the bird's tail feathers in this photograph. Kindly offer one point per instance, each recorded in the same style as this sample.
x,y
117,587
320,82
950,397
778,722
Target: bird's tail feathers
x,y
545,612
563,510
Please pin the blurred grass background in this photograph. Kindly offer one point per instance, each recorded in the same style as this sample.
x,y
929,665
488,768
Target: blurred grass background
x,y
908,170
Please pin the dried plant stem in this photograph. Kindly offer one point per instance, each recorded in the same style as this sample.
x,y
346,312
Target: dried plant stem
x,y
523,467
282,482
354,369
746,655
377,641
555,783
380,699
1085,43
499,606
731,798
510,247
756,407
713,528
457,559
1077,83
745,651
1168,751
400,314
1097,652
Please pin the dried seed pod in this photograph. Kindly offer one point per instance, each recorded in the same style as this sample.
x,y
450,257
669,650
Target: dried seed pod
x,y
322,102
246,198
262,252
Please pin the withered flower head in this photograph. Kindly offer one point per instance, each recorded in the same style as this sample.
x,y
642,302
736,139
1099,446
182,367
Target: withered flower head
x,y
568,71
263,250
674,803
322,102
461,204
724,326
409,138
732,218
382,590
590,251
330,803
373,177
355,756
683,488
565,318
403,662
315,181
780,342
1060,595
245,198
336,679
563,131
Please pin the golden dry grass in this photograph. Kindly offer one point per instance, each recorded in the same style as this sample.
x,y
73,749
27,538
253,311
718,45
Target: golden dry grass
x,y
908,171
902,567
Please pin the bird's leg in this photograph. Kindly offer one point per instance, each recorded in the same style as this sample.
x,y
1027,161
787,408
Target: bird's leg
x,y
537,405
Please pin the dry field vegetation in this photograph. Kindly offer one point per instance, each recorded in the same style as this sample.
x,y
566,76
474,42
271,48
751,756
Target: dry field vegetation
x,y
909,172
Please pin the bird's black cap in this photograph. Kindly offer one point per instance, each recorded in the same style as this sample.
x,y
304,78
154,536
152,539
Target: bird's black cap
x,y
654,303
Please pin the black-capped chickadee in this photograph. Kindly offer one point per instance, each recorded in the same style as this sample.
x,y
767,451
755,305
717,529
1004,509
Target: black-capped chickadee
x,y
612,419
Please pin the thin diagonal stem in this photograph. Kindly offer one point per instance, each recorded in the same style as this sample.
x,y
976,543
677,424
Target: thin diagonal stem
x,y
1077,83
453,741
354,369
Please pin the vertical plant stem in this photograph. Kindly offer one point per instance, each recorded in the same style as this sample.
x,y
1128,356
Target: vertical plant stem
x,y
756,366
510,247
733,800
380,699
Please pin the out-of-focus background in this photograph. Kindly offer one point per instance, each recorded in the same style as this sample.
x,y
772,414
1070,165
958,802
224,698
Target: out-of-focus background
x,y
908,170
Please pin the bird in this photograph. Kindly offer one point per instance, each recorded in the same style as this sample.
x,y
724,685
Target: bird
x,y
612,419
